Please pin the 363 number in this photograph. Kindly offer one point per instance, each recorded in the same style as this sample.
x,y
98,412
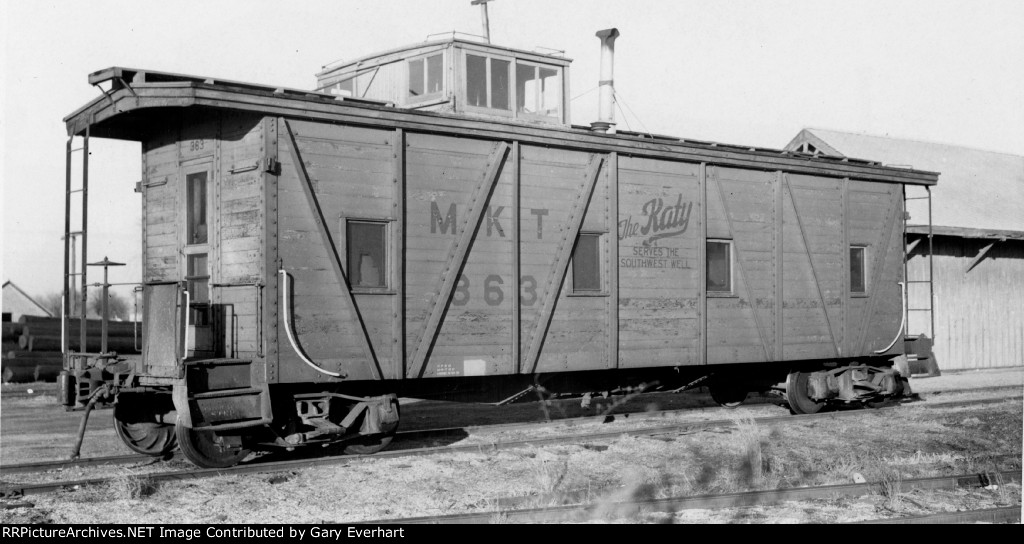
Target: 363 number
x,y
493,294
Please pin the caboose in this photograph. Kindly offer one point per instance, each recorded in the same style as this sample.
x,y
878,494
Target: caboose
x,y
429,223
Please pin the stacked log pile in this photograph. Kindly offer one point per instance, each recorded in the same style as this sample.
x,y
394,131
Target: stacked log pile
x,y
31,347
11,332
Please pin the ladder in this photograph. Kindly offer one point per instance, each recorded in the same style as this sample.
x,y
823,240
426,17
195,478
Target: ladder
x,y
68,306
919,345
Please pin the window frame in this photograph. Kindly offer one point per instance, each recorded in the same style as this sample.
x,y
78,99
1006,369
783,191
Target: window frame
x,y
388,266
537,66
206,166
488,56
199,308
602,278
409,98
731,255
864,271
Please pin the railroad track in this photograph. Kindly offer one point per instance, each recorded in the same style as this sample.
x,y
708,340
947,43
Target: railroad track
x,y
625,509
8,490
44,466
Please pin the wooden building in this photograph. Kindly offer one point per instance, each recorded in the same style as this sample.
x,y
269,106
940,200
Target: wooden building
x,y
17,303
978,244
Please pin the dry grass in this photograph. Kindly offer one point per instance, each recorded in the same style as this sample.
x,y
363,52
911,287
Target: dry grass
x,y
132,487
915,442
752,465
891,488
549,474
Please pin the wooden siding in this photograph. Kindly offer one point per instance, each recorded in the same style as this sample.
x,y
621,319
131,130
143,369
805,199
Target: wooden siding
x,y
741,207
160,208
444,178
979,315
551,183
238,263
351,173
658,267
479,237
386,82
814,274
875,221
479,216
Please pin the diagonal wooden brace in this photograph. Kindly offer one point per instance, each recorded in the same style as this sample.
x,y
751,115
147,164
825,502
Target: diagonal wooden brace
x,y
742,268
556,276
456,258
328,241
810,259
879,268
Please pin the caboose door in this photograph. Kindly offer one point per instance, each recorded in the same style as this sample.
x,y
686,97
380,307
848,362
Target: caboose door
x,y
196,252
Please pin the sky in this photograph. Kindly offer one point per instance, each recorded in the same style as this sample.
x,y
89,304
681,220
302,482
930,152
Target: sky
x,y
734,71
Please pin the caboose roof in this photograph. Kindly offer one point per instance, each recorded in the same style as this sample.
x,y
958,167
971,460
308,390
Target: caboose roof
x,y
140,102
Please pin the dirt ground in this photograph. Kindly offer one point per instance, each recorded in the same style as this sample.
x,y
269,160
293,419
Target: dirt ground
x,y
34,428
890,445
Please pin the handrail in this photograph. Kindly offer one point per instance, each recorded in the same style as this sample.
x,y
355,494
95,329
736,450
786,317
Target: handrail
x,y
291,334
903,314
135,318
63,325
188,317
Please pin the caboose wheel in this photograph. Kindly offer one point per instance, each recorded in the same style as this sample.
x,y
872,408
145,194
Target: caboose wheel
x,y
207,450
799,400
370,444
141,432
729,396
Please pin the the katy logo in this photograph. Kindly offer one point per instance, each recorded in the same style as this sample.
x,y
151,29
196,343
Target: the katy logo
x,y
662,221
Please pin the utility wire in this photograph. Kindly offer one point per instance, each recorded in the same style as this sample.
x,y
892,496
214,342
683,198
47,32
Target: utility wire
x,y
624,118
618,98
592,89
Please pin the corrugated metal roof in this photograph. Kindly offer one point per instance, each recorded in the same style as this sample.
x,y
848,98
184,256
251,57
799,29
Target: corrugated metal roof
x,y
977,189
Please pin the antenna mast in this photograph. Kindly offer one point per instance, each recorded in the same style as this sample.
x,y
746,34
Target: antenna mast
x,y
483,15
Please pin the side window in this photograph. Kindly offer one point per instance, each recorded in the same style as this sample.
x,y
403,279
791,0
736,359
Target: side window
x,y
488,82
476,81
500,89
586,264
538,90
367,253
426,76
196,189
719,266
858,269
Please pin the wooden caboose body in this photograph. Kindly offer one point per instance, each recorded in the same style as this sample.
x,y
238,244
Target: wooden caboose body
x,y
301,248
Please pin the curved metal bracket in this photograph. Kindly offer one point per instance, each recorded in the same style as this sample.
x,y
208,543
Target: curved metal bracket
x,y
291,334
903,319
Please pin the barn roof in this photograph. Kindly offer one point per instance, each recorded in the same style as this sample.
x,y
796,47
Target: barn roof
x,y
978,190
18,303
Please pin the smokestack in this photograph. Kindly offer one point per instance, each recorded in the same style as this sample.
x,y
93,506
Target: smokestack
x,y
606,108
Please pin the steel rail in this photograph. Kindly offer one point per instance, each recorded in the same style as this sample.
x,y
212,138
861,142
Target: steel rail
x,y
582,512
42,466
8,490
50,388
1008,514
